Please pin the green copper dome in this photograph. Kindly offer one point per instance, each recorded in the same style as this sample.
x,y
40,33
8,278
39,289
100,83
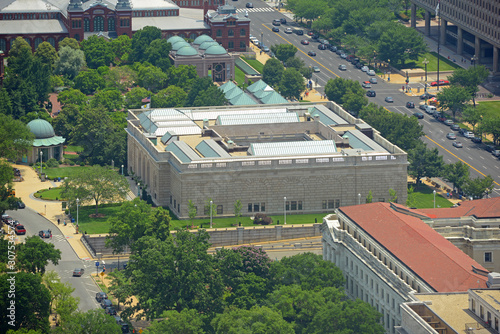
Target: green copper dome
x,y
202,38
215,50
187,50
205,45
175,39
177,45
41,129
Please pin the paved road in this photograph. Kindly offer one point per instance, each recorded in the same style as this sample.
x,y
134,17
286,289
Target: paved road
x,y
482,163
84,286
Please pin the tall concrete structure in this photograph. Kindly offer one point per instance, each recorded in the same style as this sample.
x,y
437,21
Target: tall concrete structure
x,y
472,26
294,158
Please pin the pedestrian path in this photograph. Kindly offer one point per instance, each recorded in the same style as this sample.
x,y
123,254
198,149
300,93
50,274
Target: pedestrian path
x,y
255,10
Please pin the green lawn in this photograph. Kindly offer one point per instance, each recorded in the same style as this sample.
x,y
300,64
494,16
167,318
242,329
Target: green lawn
x,y
49,194
425,198
239,76
73,148
492,105
95,225
444,63
257,65
62,171
70,156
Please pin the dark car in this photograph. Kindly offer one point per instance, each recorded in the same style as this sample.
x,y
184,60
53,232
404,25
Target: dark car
x,y
45,234
249,5
322,47
315,36
371,93
100,296
19,229
359,65
410,104
311,53
418,115
275,29
106,303
78,272
389,99
276,22
490,148
17,172
339,51
422,106
477,140
283,21
333,48
455,127
21,205
426,95
304,41
110,310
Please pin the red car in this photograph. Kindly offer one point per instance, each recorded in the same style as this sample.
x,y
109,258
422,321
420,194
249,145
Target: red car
x,y
305,42
441,83
20,229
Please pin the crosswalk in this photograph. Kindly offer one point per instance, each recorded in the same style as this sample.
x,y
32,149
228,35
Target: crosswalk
x,y
255,10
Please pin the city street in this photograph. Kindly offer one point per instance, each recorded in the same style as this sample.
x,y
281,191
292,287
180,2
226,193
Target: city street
x,y
480,161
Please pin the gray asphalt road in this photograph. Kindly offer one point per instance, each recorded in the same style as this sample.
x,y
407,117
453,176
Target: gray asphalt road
x,y
84,286
481,162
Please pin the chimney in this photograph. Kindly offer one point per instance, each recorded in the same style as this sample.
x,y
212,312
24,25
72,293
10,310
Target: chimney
x,y
205,8
230,144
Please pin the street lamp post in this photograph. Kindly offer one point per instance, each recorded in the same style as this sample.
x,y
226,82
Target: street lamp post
x,y
77,204
41,163
425,62
389,72
122,170
359,199
139,190
434,192
474,59
211,202
284,208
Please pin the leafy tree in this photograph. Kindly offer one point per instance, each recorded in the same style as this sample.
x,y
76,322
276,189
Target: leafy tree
x,y
15,138
237,208
491,125
121,48
89,81
393,196
5,103
470,79
354,102
478,187
473,115
424,162
94,321
69,42
72,96
64,123
98,51
157,53
174,274
141,40
134,220
457,174
399,44
307,270
70,61
119,287
210,208
309,10
284,51
453,98
192,211
369,198
203,92
411,200
291,84
24,331
170,97
152,78
97,184
186,322
133,98
34,255
120,77
47,54
62,302
256,320
295,62
182,76
108,99
272,72
32,300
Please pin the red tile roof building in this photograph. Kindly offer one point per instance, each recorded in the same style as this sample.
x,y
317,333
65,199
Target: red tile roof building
x,y
388,253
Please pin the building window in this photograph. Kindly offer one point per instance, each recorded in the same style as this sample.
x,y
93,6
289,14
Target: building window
x,y
488,257
324,205
243,32
294,205
220,210
3,44
86,25
230,33
51,41
77,37
381,199
299,205
250,206
256,207
98,23
242,45
111,24
331,204
262,206
175,203
27,40
38,41
337,203
219,33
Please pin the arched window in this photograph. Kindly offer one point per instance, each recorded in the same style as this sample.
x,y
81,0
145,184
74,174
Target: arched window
x,y
182,35
219,33
98,23
3,44
243,32
77,37
86,24
61,39
28,40
111,24
230,33
192,35
51,41
38,41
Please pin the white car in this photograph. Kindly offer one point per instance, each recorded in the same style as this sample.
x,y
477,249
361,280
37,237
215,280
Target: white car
x,y
371,72
364,68
256,41
469,134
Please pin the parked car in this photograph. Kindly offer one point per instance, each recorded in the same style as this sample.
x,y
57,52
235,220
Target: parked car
x,y
426,95
265,48
477,140
249,5
276,22
106,303
448,122
359,65
78,272
410,104
322,46
304,41
490,148
342,67
371,73
283,21
366,84
339,51
311,53
496,153
441,83
418,115
371,93
333,48
100,296
373,80
455,127
430,109
364,68
451,136
275,29
288,30
343,56
21,205
110,310
457,144
469,135
45,234
19,229
389,99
